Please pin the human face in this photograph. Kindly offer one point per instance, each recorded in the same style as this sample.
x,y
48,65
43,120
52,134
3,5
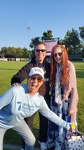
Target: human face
x,y
40,53
58,55
34,83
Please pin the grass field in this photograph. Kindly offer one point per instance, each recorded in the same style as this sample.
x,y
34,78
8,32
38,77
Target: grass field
x,y
8,69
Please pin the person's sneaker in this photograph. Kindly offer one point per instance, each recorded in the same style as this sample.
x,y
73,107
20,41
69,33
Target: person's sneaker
x,y
43,145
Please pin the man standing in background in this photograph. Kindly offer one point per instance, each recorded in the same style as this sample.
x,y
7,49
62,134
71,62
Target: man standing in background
x,y
38,61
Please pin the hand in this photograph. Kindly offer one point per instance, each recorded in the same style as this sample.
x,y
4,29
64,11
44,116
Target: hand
x,y
71,112
16,84
68,134
73,127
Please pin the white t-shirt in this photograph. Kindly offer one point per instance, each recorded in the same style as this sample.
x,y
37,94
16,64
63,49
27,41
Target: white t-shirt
x,y
16,104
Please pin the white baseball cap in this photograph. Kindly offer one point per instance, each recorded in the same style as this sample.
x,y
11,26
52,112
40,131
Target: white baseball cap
x,y
36,70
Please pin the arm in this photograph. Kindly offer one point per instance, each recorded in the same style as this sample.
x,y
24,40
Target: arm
x,y
11,94
73,92
21,75
6,98
45,111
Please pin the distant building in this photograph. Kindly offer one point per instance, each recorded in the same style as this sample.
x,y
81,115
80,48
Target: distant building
x,y
49,46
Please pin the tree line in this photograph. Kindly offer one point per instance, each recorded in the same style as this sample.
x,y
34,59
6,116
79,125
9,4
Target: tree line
x,y
73,41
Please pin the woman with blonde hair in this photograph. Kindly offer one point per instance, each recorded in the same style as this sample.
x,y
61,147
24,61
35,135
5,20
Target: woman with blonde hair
x,y
64,96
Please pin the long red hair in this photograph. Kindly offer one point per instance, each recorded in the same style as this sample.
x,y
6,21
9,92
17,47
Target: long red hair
x,y
64,65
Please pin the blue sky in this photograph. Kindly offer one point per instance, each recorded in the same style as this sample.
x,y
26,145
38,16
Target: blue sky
x,y
40,15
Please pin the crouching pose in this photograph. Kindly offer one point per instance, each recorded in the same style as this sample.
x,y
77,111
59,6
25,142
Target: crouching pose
x,y
23,101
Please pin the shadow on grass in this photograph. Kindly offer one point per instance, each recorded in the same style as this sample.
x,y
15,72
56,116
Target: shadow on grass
x,y
80,73
8,69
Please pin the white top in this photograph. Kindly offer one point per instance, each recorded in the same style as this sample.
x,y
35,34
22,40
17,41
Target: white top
x,y
16,104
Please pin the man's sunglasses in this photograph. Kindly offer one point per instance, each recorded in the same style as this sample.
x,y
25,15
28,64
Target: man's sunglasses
x,y
40,50
59,54
39,79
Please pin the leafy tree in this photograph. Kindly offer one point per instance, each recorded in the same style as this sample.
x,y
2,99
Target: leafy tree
x,y
19,52
82,32
26,53
10,56
47,35
34,41
82,49
82,54
4,50
15,52
8,51
72,42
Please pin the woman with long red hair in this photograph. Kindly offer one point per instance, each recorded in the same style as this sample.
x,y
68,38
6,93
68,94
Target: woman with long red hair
x,y
64,95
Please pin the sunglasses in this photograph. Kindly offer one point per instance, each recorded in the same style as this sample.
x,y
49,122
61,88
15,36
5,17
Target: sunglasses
x,y
39,79
40,50
59,54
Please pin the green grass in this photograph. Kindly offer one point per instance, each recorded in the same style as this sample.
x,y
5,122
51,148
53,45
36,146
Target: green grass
x,y
80,85
9,68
